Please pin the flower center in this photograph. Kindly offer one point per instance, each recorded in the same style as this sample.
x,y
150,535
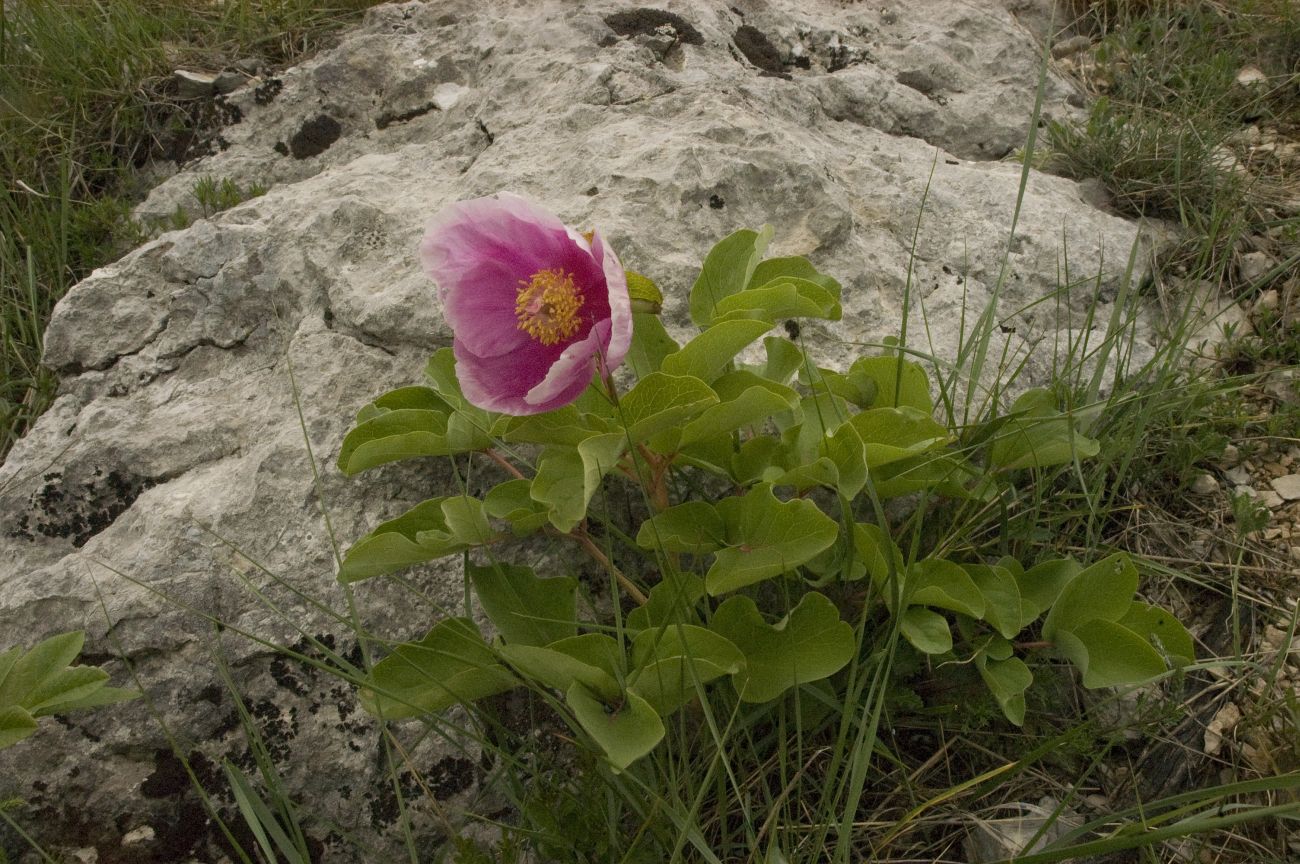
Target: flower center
x,y
547,306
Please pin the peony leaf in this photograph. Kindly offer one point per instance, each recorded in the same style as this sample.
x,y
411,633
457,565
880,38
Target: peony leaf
x,y
1109,654
727,270
450,664
404,398
567,426
659,402
15,725
592,659
892,434
783,297
1007,679
1041,584
1037,435
671,660
526,609
650,344
944,585
942,473
626,729
793,266
644,293
784,359
899,383
568,477
672,601
30,671
693,526
745,407
706,355
926,629
1103,591
1003,607
429,530
1156,625
513,502
765,538
809,644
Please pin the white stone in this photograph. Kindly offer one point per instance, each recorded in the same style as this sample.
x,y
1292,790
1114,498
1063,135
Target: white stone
x,y
445,96
1205,484
1254,266
1287,486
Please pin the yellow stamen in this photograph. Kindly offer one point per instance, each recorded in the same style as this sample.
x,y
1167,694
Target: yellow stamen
x,y
547,306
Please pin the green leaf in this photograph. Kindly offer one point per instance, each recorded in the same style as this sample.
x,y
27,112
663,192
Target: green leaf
x,y
403,398
926,629
450,664
93,698
46,660
672,601
1007,679
940,472
726,270
694,526
567,478
1162,629
784,359
670,661
15,725
513,502
751,405
625,731
1103,591
809,644
429,530
792,266
660,401
1041,584
783,297
891,434
706,355
566,426
945,585
1003,607
899,383
755,457
846,450
766,537
644,293
875,549
650,344
592,659
526,609
1037,435
66,686
408,434
1109,654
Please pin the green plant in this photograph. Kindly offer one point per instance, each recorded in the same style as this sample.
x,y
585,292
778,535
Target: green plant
x,y
40,682
749,611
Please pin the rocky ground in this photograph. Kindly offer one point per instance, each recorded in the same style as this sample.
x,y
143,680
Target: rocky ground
x,y
208,373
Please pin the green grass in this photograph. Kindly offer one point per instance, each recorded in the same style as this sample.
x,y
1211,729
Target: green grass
x,y
73,133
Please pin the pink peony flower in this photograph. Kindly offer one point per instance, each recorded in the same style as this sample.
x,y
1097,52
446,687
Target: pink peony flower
x,y
534,307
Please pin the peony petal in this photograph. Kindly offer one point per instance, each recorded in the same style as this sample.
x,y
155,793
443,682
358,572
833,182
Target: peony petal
x,y
576,363
500,383
620,305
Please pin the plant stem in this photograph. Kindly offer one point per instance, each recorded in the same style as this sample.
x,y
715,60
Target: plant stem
x,y
503,462
602,559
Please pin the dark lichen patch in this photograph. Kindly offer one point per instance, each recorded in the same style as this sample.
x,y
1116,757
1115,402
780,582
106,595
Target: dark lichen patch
x,y
279,727
759,50
388,118
171,779
451,775
716,202
66,509
315,137
266,92
646,22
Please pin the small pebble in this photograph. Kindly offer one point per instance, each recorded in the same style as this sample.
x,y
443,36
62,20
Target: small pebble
x,y
1288,486
1254,266
1238,476
1268,301
1205,484
1270,499
1231,454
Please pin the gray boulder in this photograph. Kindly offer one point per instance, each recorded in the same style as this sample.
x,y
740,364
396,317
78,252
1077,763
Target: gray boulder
x,y
169,503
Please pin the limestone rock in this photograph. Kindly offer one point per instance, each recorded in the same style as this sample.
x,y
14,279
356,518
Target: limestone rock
x,y
171,485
